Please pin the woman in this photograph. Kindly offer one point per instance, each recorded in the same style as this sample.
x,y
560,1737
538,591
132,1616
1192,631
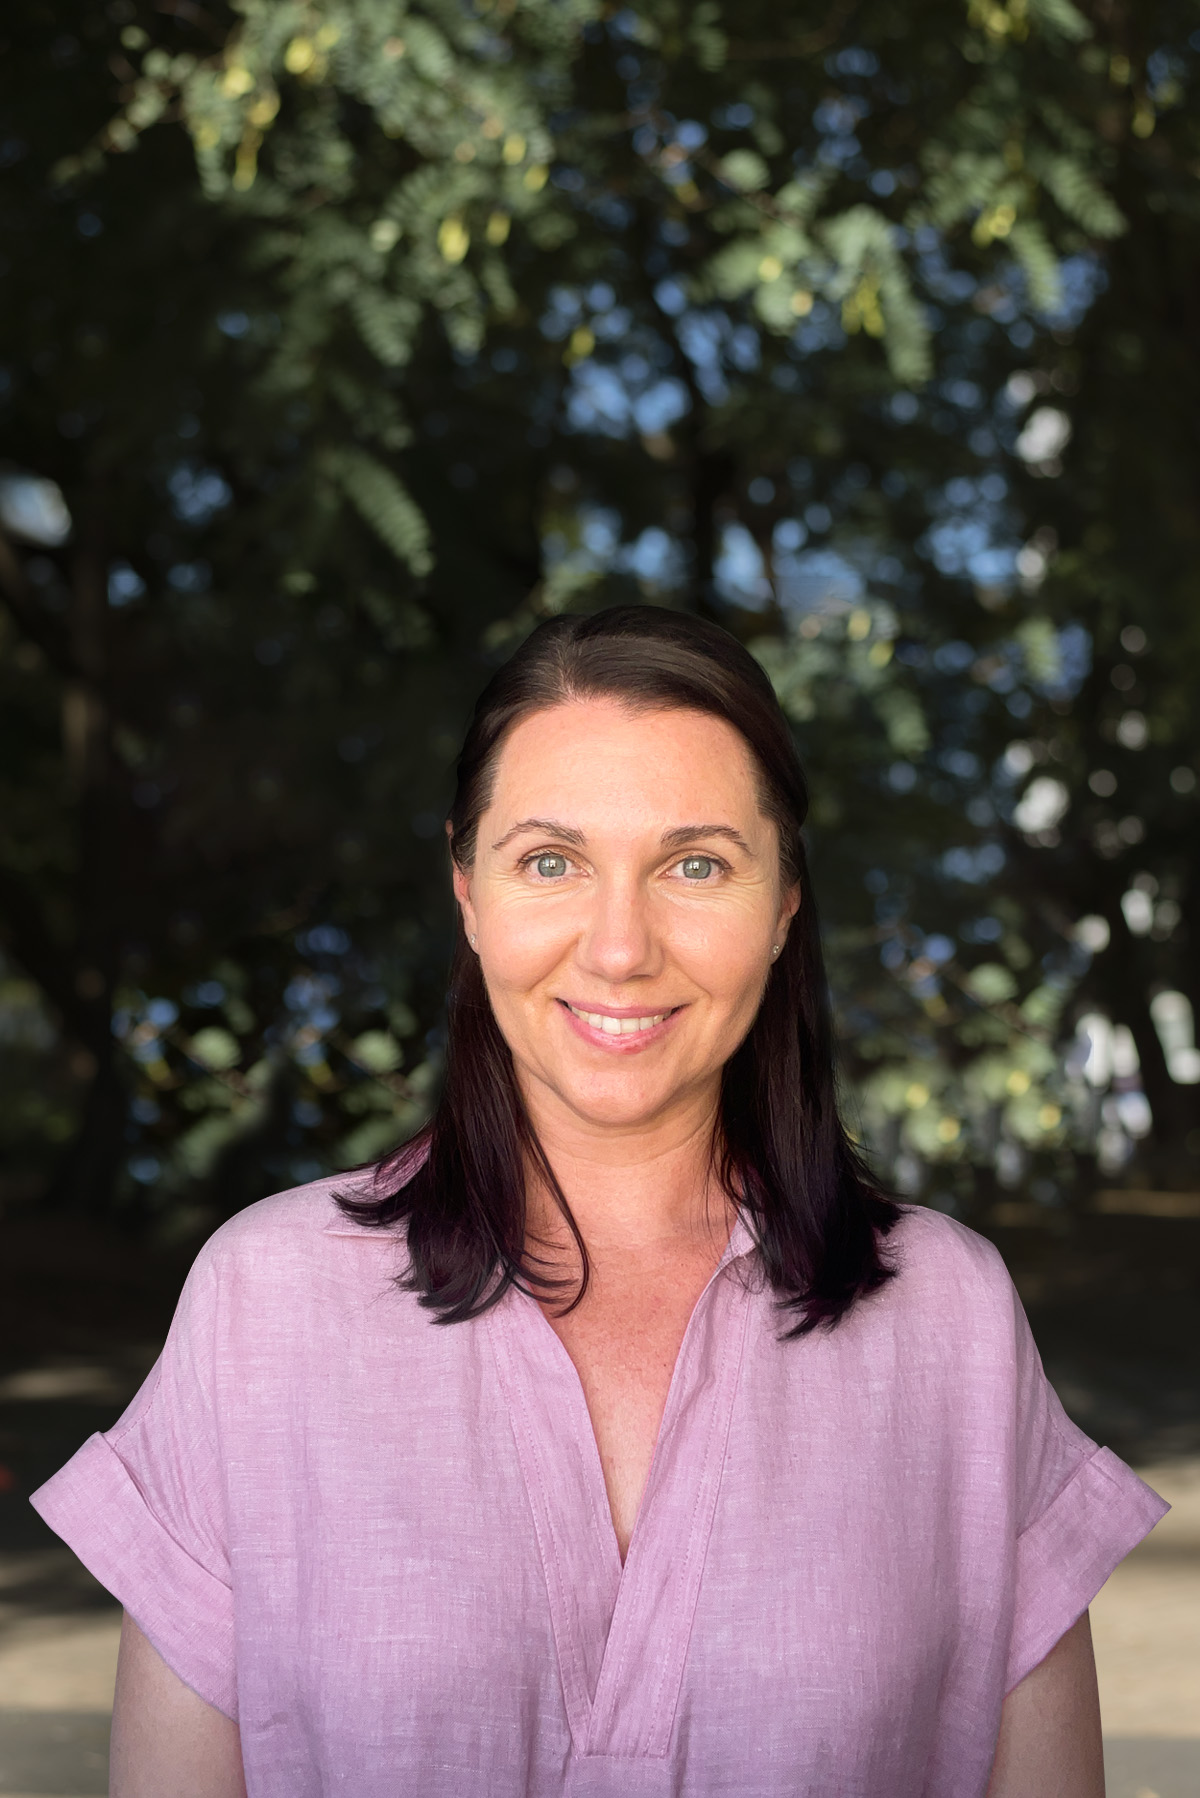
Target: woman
x,y
617,1438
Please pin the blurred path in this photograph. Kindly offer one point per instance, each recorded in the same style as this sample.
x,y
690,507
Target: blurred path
x,y
58,1656
1146,1627
58,1627
81,1315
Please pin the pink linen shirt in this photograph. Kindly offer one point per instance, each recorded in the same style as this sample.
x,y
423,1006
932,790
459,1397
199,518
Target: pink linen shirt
x,y
383,1543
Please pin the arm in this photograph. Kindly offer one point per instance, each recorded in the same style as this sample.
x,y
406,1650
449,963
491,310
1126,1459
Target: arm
x,y
1049,1744
165,1738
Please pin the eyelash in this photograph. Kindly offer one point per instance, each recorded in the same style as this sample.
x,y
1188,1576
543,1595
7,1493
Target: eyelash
x,y
718,862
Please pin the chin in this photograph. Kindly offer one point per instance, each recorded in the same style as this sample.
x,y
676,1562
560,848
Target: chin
x,y
623,1104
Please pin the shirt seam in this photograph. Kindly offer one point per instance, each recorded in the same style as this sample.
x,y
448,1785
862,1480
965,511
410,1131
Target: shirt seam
x,y
121,1428
544,1536
152,1513
716,1468
690,1551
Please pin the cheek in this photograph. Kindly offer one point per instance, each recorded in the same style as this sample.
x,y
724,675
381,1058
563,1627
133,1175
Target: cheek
x,y
725,954
522,943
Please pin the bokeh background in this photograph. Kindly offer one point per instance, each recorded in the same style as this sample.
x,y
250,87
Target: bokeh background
x,y
339,343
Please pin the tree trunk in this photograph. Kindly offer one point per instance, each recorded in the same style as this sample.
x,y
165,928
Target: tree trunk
x,y
87,1171
85,1177
711,474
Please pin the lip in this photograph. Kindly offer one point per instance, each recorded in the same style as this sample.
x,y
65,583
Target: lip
x,y
628,1043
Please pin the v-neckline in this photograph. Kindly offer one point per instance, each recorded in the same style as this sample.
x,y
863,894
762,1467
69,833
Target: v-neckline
x,y
621,1632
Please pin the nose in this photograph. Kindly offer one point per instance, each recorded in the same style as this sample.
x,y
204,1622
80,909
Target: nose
x,y
619,942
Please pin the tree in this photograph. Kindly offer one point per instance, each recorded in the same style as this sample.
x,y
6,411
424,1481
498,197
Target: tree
x,y
721,308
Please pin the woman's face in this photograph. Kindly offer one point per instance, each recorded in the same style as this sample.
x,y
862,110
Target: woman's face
x,y
625,899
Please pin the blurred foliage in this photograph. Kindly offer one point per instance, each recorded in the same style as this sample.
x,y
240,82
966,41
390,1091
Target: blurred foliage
x,y
343,341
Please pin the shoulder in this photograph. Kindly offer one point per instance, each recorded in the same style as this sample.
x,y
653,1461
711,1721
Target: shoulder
x,y
926,1245
294,1235
947,1277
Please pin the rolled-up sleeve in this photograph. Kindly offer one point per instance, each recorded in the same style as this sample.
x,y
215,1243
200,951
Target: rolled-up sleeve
x,y
1080,1510
143,1506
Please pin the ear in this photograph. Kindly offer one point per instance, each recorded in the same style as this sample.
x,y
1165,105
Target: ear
x,y
789,906
461,882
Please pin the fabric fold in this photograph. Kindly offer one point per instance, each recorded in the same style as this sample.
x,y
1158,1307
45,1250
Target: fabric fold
x,y
182,1609
1063,1558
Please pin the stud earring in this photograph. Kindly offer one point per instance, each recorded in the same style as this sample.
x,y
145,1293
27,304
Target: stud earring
x,y
471,940
774,951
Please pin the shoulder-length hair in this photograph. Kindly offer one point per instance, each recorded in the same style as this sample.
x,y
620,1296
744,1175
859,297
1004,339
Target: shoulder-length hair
x,y
780,1151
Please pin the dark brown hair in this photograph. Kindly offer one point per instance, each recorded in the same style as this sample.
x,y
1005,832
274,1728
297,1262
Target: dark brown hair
x,y
780,1150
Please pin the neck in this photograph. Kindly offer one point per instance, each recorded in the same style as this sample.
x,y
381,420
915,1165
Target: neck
x,y
634,1192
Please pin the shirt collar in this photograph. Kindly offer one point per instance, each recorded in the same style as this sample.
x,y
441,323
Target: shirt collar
x,y
741,1242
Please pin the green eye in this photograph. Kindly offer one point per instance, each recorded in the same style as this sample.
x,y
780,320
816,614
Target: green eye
x,y
552,867
697,867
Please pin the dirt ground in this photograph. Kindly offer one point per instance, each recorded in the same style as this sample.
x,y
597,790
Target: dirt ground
x,y
1115,1305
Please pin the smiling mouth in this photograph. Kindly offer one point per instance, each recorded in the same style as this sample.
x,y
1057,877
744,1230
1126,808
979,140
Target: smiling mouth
x,y
627,1026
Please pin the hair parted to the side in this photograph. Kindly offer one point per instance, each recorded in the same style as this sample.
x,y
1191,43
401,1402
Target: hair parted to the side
x,y
780,1150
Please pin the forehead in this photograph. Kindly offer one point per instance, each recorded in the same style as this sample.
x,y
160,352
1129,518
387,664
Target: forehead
x,y
600,759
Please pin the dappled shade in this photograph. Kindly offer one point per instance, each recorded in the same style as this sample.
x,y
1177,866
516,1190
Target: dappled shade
x,y
333,360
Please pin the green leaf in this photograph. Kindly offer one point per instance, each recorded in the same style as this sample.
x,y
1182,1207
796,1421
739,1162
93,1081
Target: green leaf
x,y
1059,18
733,271
216,1048
387,506
708,42
991,983
1082,198
745,171
388,323
1039,644
907,729
377,1051
1036,256
428,50
863,246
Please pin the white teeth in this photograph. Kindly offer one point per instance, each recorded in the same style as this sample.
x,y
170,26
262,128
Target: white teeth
x,y
617,1026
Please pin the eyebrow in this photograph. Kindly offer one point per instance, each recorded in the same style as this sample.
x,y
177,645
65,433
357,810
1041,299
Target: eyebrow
x,y
549,827
688,833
